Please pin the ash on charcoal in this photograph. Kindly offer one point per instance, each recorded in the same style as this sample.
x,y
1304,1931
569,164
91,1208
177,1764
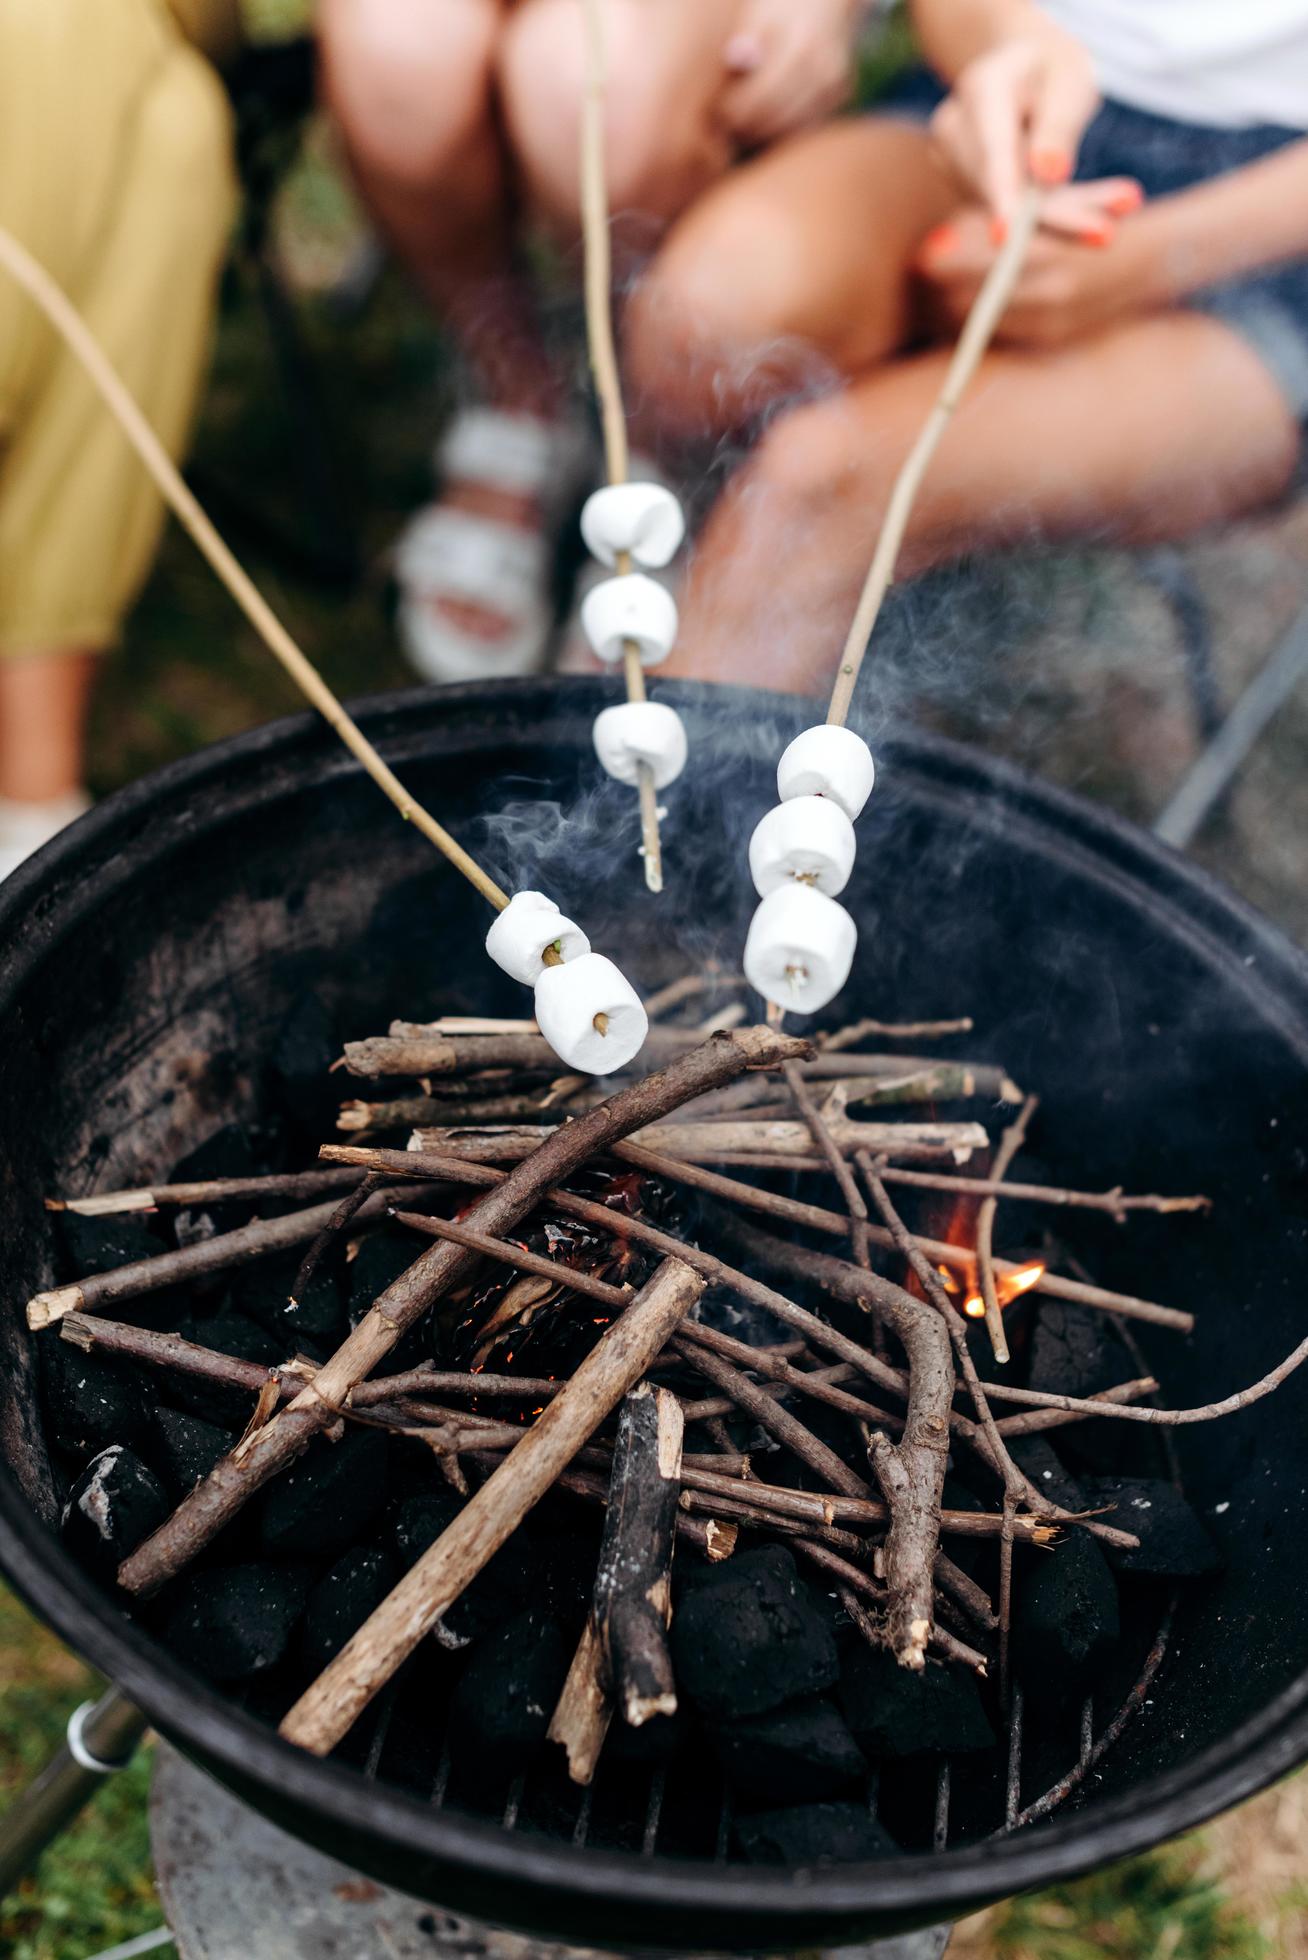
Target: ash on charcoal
x,y
801,1753
328,1498
1174,1541
115,1503
263,1294
751,1638
506,1696
813,1834
1035,1457
1065,1619
235,1621
184,1448
89,1402
100,1245
497,1592
307,1044
895,1711
343,1599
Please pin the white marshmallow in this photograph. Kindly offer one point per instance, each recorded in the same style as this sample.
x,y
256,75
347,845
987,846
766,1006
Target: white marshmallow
x,y
641,731
828,761
520,933
800,948
568,1001
643,519
809,839
632,607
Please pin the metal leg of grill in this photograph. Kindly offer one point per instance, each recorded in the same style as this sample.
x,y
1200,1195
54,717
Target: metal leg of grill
x,y
102,1738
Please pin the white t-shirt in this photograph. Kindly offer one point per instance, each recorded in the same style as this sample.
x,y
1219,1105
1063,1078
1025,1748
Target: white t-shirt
x,y
1230,63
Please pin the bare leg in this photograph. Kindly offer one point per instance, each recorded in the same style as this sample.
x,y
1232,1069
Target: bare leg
x,y
1152,430
789,276
43,703
411,84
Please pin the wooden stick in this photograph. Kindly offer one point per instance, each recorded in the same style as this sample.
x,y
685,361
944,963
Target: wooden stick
x,y
584,1710
350,1204
827,1146
849,1037
242,1247
833,1507
704,1141
327,1710
69,325
1115,1202
986,312
689,987
205,1191
230,1485
632,1607
779,1422
1009,1145
518,1256
416,1051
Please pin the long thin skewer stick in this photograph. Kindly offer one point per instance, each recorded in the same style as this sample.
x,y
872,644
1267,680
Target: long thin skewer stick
x,y
67,322
598,278
987,310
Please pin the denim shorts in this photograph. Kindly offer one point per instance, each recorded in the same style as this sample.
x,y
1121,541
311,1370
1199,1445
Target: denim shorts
x,y
1269,309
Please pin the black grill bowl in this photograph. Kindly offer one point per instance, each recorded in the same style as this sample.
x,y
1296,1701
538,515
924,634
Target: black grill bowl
x,y
150,953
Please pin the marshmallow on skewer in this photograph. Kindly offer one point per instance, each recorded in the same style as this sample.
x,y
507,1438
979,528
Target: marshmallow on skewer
x,y
590,1014
633,608
642,519
809,839
633,732
828,761
800,948
520,934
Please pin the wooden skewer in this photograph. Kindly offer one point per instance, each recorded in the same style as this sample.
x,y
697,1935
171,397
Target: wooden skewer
x,y
598,279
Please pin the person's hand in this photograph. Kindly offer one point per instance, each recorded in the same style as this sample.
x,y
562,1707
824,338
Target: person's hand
x,y
1017,112
789,64
1068,286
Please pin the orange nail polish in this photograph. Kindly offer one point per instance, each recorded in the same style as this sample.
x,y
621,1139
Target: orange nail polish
x,y
1092,234
998,230
936,243
1129,199
1051,166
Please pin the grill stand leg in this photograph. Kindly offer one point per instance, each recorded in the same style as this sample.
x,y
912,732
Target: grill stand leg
x,y
233,1885
102,1738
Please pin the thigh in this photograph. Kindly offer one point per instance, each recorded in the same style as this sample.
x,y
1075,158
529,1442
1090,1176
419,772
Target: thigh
x,y
408,80
663,72
790,273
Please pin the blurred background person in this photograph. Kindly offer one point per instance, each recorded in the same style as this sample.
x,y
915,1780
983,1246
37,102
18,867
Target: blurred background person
x,y
1150,375
115,173
461,122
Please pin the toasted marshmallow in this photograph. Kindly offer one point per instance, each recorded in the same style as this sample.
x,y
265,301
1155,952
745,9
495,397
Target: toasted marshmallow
x,y
800,948
631,608
633,732
831,762
809,839
590,1014
643,519
520,934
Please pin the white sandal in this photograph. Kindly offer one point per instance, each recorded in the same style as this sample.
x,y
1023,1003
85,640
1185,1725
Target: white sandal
x,y
450,554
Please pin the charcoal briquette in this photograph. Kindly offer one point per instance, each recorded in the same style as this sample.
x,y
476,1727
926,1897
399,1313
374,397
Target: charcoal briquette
x,y
115,1503
328,1497
1065,1618
895,1711
343,1599
815,1834
232,1622
229,1333
100,1245
800,1753
500,1589
316,1317
184,1448
89,1400
507,1694
1074,1350
1038,1461
751,1639
307,1044
1174,1541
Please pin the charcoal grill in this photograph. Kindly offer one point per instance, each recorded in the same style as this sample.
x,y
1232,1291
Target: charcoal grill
x,y
150,955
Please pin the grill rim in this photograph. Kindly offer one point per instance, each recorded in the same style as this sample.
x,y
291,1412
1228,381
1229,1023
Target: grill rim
x,y
140,825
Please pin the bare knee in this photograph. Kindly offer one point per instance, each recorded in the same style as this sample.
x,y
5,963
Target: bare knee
x,y
661,149
408,80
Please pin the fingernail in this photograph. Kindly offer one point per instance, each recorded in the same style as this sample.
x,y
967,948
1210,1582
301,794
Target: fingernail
x,y
1097,234
742,53
1051,166
938,242
1128,199
998,230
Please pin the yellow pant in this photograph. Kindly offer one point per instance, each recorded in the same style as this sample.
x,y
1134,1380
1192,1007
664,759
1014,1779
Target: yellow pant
x,y
115,171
